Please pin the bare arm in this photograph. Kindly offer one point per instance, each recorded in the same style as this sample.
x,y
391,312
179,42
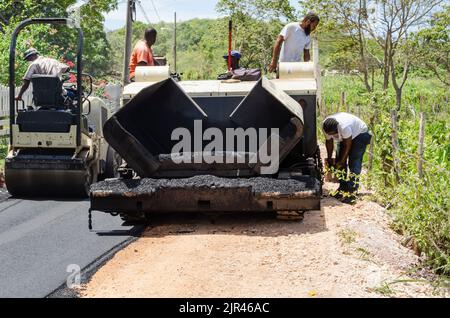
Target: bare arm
x,y
330,147
330,162
276,53
26,84
345,152
307,55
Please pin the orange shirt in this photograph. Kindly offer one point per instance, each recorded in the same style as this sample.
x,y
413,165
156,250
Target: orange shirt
x,y
141,53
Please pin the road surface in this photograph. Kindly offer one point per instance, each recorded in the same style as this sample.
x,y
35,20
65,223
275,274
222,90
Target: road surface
x,y
40,240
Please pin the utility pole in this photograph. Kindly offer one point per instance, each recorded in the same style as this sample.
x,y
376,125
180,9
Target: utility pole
x,y
175,42
128,35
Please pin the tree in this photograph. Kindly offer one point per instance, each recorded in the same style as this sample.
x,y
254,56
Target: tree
x,y
432,45
388,23
56,41
256,26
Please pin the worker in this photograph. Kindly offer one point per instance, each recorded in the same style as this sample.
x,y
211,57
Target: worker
x,y
353,137
142,54
237,72
235,59
40,65
294,41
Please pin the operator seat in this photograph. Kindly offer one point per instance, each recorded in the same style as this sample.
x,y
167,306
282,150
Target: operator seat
x,y
47,92
52,115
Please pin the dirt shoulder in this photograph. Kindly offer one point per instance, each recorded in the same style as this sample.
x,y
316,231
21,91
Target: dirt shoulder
x,y
340,251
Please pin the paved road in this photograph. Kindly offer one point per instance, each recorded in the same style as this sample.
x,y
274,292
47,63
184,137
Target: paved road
x,y
39,239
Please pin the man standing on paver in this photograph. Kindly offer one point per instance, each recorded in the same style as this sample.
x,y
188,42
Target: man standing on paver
x,y
142,54
294,41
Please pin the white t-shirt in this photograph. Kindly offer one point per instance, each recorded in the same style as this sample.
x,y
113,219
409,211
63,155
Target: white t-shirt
x,y
295,42
348,126
45,66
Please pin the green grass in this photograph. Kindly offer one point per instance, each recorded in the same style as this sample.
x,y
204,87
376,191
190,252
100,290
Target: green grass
x,y
3,152
383,289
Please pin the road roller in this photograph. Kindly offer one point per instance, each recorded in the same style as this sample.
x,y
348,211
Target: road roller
x,y
198,146
57,147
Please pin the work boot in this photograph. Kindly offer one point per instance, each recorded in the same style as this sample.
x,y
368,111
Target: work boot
x,y
338,195
349,198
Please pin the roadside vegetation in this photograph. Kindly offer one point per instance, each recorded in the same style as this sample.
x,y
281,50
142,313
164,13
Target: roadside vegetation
x,y
419,205
3,152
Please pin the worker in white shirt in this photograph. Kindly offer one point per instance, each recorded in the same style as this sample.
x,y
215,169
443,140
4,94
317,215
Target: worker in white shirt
x,y
294,42
353,136
39,65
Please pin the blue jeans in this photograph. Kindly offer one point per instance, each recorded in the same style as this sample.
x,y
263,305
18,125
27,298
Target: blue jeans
x,y
355,159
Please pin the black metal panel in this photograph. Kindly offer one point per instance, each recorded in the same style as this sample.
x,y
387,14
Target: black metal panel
x,y
309,140
266,107
154,113
219,109
143,128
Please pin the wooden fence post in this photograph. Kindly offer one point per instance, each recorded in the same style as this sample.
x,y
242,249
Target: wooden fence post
x,y
421,145
344,100
395,148
321,106
372,141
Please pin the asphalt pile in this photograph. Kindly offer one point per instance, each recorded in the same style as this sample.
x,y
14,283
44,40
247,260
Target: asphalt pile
x,y
257,185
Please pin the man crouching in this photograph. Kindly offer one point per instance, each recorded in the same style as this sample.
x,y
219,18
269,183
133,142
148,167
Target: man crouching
x,y
352,136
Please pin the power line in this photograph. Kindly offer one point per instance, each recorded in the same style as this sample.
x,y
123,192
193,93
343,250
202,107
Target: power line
x,y
156,11
143,12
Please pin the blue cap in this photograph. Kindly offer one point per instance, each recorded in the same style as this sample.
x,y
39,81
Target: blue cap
x,y
235,54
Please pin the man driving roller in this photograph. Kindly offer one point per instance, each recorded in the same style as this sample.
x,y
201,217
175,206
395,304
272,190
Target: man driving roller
x,y
40,65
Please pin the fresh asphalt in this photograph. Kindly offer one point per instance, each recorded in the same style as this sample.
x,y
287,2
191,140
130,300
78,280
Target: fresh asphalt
x,y
44,242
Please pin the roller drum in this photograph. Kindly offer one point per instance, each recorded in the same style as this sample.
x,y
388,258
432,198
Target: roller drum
x,y
49,178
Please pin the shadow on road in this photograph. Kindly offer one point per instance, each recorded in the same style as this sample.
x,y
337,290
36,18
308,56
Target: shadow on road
x,y
43,199
244,223
135,231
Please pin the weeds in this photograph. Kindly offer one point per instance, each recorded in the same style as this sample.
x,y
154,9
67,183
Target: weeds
x,y
347,236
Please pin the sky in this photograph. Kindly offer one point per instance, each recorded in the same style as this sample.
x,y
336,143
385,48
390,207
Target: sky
x,y
186,10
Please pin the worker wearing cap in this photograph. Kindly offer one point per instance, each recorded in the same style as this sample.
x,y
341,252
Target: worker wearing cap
x,y
294,42
142,54
237,72
235,57
353,137
39,65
